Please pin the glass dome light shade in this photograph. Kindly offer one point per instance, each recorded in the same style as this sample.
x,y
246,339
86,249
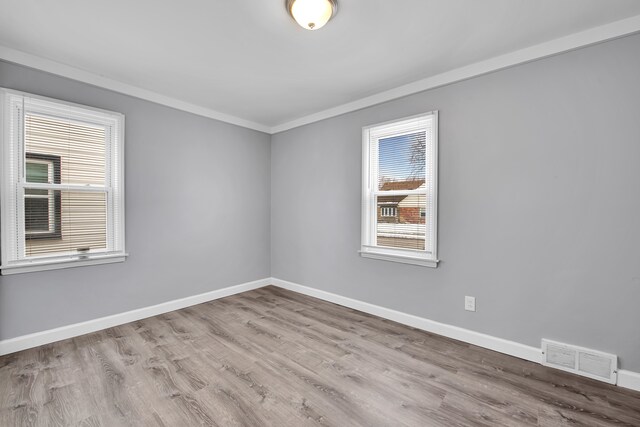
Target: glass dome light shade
x,y
311,14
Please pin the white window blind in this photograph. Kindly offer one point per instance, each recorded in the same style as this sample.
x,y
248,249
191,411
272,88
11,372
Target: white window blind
x,y
62,184
400,177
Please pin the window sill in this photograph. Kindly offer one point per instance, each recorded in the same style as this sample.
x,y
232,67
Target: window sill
x,y
43,265
433,263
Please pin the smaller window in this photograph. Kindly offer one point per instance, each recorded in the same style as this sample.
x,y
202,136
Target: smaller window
x,y
389,211
399,190
42,207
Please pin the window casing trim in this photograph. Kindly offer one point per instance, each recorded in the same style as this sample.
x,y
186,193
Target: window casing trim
x,y
369,248
63,262
10,183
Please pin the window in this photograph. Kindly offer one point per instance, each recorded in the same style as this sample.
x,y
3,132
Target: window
x,y
399,195
62,195
387,211
42,207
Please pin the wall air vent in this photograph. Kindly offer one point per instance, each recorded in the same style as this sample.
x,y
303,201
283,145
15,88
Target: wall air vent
x,y
579,360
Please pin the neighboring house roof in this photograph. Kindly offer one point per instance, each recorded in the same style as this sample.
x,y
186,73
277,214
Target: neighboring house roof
x,y
411,184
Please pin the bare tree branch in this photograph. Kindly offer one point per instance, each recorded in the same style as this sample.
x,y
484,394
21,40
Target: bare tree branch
x,y
418,154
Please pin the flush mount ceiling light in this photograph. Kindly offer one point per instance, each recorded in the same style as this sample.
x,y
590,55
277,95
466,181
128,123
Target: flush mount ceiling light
x,y
312,14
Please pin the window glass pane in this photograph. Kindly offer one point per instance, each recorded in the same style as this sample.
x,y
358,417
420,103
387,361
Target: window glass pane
x,y
41,214
81,148
37,172
405,229
401,162
35,192
36,214
83,221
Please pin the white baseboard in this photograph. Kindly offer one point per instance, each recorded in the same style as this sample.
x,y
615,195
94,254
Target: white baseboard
x,y
629,379
476,338
626,379
52,335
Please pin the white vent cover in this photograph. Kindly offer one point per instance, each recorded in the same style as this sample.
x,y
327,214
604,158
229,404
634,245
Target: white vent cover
x,y
579,360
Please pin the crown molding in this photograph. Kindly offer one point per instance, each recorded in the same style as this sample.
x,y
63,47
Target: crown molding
x,y
568,43
574,41
53,67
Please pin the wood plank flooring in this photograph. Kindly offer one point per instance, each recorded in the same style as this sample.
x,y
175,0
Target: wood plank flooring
x,y
271,357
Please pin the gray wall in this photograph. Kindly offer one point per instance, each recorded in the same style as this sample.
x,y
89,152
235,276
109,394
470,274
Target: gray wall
x,y
539,204
539,207
197,214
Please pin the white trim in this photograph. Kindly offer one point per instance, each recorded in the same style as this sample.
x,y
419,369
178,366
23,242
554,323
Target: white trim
x,y
5,176
52,335
629,379
568,43
434,190
53,67
400,258
57,263
476,338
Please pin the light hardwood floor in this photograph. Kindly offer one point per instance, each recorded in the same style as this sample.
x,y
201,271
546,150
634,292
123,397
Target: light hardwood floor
x,y
277,358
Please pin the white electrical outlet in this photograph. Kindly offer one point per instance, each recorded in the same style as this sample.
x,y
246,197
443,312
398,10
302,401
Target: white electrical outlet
x,y
470,303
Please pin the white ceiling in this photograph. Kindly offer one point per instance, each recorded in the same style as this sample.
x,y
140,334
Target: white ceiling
x,y
248,59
